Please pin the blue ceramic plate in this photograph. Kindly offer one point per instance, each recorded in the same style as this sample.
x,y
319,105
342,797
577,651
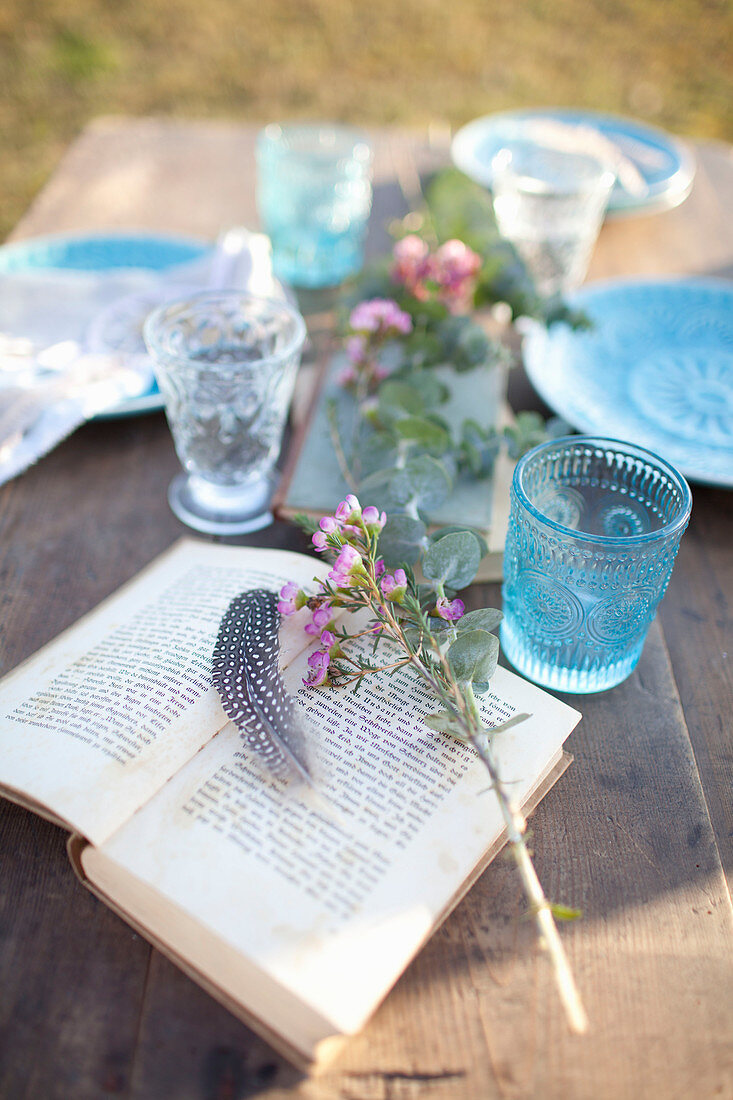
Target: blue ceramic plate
x,y
104,252
655,369
666,164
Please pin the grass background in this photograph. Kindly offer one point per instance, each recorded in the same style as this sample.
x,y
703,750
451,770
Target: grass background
x,y
62,62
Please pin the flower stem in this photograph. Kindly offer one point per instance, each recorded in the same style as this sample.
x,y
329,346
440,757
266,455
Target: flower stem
x,y
541,908
338,448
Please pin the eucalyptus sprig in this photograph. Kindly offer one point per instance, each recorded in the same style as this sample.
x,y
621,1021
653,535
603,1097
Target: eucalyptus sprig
x,y
423,626
411,330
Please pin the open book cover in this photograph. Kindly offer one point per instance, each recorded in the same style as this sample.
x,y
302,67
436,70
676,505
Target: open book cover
x,y
312,478
297,910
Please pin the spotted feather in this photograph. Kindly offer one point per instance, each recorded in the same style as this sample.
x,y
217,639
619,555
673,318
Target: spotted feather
x,y
247,678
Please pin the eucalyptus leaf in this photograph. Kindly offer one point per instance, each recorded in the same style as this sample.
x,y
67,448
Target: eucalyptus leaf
x,y
444,722
433,391
377,482
474,655
401,540
565,912
422,482
486,618
453,560
474,348
451,529
401,396
423,349
378,448
508,724
426,433
479,447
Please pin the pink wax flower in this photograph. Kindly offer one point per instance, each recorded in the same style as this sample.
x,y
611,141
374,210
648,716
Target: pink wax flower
x,y
394,587
321,620
374,521
347,565
348,510
356,349
380,316
456,269
450,610
379,568
347,378
328,525
412,266
317,669
455,262
291,599
410,253
319,540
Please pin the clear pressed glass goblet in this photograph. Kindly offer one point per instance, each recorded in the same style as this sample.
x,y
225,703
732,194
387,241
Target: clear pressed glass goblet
x,y
225,362
550,204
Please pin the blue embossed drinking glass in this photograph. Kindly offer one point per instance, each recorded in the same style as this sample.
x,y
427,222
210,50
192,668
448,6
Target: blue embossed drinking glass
x,y
594,529
314,195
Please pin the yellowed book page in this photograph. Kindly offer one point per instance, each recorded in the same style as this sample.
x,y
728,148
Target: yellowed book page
x,y
332,894
97,721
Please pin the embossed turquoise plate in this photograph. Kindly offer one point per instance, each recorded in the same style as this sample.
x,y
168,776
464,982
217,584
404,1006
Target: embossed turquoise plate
x,y
655,369
666,164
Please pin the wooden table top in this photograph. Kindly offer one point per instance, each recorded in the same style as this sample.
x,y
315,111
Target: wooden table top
x,y
638,833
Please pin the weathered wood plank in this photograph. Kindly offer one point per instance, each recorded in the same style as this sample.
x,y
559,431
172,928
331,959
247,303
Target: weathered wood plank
x,y
696,616
71,980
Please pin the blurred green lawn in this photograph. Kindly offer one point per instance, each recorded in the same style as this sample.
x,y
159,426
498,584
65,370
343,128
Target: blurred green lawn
x,y
411,61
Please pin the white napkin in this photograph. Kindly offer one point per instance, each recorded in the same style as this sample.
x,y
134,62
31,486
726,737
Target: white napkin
x,y
34,419
71,342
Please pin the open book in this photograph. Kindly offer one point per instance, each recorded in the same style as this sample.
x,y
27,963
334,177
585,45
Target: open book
x,y
297,911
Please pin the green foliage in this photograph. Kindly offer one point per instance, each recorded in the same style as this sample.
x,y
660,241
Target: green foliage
x,y
474,656
400,449
530,429
486,618
453,561
401,540
421,485
451,529
426,434
444,722
478,448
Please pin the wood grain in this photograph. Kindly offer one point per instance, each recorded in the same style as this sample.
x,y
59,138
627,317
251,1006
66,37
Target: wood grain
x,y
633,833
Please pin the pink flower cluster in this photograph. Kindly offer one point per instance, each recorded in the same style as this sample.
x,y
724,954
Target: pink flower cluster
x,y
380,317
450,610
372,323
394,586
319,660
348,519
347,529
448,274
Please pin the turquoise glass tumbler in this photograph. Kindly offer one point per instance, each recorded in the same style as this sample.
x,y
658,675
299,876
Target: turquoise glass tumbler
x,y
314,196
594,530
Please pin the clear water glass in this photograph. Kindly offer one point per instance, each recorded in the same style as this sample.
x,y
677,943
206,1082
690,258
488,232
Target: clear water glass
x,y
225,362
594,529
550,204
314,195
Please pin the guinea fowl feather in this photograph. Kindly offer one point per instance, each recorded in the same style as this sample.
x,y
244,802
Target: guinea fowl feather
x,y
247,677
